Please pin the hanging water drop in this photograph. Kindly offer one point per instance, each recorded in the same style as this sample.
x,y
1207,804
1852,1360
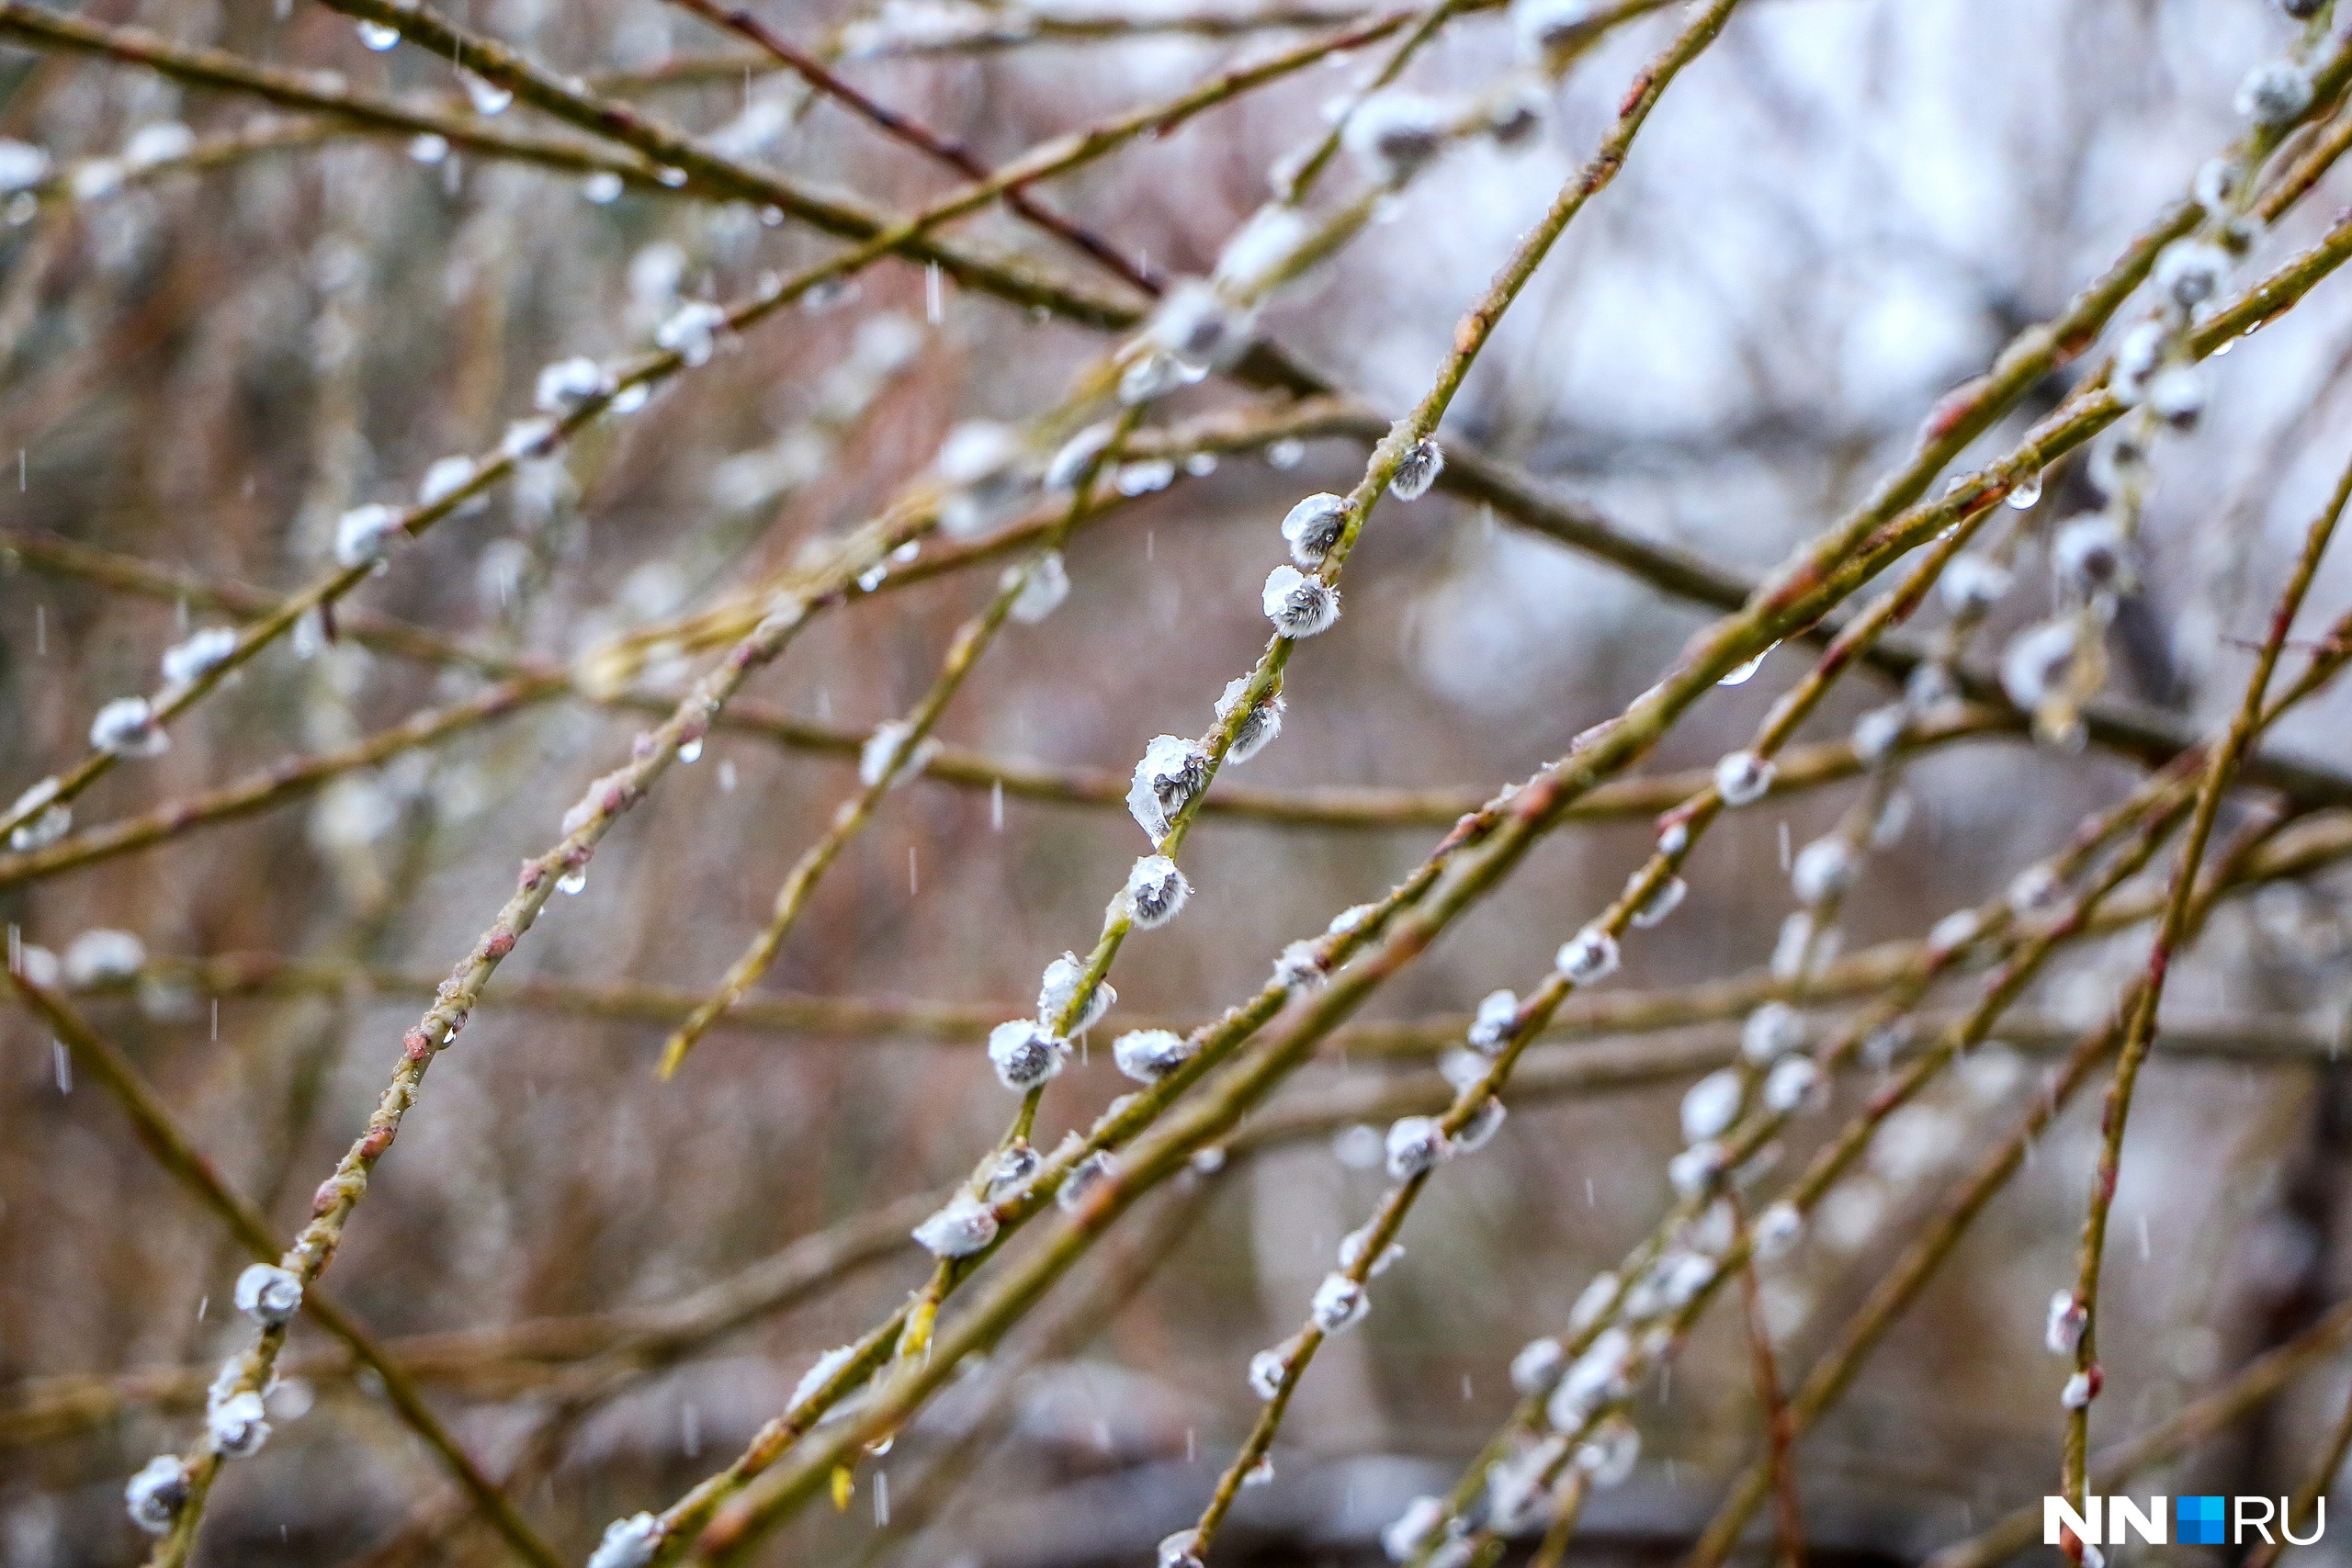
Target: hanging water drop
x,y
689,750
571,881
378,37
2027,492
1745,672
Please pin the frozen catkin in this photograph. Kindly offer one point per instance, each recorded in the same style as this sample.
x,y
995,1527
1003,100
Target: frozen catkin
x,y
127,728
1394,134
1313,527
237,1425
269,1294
627,1544
1258,726
965,1226
1742,778
1171,772
1149,1056
1300,606
197,654
1415,1145
1588,957
1058,988
157,1493
1024,1054
1156,892
1417,470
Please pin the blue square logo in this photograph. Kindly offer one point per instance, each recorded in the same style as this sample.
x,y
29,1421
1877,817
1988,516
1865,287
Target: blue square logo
x,y
2197,1521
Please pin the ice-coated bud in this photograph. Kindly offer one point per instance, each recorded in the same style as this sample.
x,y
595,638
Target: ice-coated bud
x,y
1776,1229
2035,663
1593,1302
100,957
1479,1128
974,450
1181,1550
1394,134
1351,1247
2035,890
2080,1390
1681,1276
1422,1518
1608,1459
363,535
1076,454
237,1425
1596,1377
1711,1105
1339,1304
2274,93
1538,1365
959,1230
2176,396
1790,1079
269,1294
1171,772
1299,605
692,332
1149,1056
1299,966
44,822
1587,957
1260,251
1545,25
2091,556
2064,1331
1955,930
127,728
1742,778
2190,272
1824,870
627,1544
1314,525
1155,891
1042,591
1879,731
1024,1054
1498,1010
444,479
1515,114
1058,988
1772,1031
198,654
157,1493
1269,1367
1084,1178
1929,689
1417,470
890,753
1972,584
1264,721
568,384
1199,328
1415,1144
1694,1170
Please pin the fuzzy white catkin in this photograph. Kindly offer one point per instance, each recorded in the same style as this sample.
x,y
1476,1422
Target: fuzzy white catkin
x,y
1351,1247
1149,1056
2190,272
127,728
1538,1365
1042,593
198,654
1972,584
1057,988
962,1229
1263,723
1313,527
1479,1128
1742,778
627,1544
1588,957
363,535
2078,1393
1498,1010
1068,465
1339,1304
1394,134
2274,93
1261,249
269,1294
1269,1367
1199,327
1711,1105
97,957
563,386
1181,1550
237,1425
1790,1079
1825,869
2036,660
2091,555
2176,396
1663,901
2063,1331
1299,605
1156,892
1417,470
692,332
1423,1518
157,1493
1776,1229
1772,1031
1172,770
818,1376
1024,1054
22,166
1084,1178
1415,1144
